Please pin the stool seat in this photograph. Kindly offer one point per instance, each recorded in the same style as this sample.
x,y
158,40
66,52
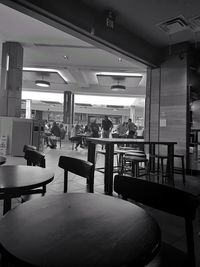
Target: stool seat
x,y
135,160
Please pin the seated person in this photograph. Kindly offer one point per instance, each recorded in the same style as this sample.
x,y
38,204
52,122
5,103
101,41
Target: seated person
x,y
55,135
75,138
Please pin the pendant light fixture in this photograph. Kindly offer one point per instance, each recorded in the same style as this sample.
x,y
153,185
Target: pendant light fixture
x,y
42,83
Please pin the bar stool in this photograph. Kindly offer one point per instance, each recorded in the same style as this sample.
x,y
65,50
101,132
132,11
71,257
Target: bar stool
x,y
160,162
135,161
121,152
103,152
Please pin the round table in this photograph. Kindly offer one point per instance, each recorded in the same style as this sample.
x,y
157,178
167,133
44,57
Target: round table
x,y
79,229
16,179
2,160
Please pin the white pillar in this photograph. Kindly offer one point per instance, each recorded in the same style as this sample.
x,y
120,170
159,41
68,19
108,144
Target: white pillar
x,y
28,108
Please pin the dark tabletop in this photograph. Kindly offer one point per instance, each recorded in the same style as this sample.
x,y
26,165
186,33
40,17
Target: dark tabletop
x,y
19,177
127,140
79,230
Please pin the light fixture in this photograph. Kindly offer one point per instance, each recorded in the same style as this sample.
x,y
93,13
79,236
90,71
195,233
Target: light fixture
x,y
42,83
118,87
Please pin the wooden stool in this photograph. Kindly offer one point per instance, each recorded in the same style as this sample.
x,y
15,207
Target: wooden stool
x,y
160,162
135,162
101,169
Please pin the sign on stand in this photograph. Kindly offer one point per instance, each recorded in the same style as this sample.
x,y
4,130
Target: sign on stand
x,y
3,145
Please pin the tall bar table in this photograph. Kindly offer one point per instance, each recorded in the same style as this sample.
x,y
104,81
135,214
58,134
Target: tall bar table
x,y
109,147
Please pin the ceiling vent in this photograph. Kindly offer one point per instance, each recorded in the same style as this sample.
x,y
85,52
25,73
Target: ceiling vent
x,y
195,24
174,25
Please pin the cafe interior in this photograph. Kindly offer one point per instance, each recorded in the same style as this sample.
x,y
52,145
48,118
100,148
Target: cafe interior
x,y
117,200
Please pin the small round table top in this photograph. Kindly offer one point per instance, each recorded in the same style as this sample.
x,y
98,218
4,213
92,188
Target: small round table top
x,y
2,160
19,177
79,229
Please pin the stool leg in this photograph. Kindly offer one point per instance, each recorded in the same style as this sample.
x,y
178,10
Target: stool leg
x,y
183,169
158,169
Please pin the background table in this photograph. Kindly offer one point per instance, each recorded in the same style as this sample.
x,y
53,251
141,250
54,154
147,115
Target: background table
x,y
109,146
79,229
2,160
16,179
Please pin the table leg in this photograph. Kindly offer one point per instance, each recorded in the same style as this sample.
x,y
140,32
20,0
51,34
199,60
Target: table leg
x,y
171,163
91,152
152,159
6,204
108,175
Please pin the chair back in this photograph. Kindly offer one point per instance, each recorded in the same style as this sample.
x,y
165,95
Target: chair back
x,y
165,198
77,166
158,196
35,158
29,147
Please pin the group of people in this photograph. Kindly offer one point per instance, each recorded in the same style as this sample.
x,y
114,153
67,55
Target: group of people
x,y
127,129
93,129
53,133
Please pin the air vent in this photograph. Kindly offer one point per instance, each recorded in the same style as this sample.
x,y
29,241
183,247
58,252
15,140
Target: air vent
x,y
174,25
195,24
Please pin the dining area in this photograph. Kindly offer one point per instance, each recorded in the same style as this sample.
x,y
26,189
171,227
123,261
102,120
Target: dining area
x,y
73,221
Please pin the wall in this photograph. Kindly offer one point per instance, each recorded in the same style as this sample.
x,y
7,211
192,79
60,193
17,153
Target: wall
x,y
166,102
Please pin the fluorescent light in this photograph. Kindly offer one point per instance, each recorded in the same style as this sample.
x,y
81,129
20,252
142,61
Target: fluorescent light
x,y
43,96
120,74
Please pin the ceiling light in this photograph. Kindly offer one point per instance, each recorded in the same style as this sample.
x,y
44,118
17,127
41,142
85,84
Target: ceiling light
x,y
42,83
118,87
120,74
66,57
120,59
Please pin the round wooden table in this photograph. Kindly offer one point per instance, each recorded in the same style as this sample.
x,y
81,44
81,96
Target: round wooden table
x,y
16,179
79,229
2,160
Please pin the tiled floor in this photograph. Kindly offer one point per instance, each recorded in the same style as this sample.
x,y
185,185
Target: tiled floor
x,y
172,227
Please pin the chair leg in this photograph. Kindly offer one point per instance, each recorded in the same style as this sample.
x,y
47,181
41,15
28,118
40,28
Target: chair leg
x,y
190,242
65,181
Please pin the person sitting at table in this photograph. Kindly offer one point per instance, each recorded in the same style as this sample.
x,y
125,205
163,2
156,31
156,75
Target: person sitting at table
x,y
55,131
75,138
122,130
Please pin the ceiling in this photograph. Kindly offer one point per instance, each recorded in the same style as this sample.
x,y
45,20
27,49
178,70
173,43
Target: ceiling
x,y
73,62
141,17
135,38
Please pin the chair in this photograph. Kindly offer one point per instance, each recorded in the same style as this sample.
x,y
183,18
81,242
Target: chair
x,y
35,158
79,167
164,198
29,147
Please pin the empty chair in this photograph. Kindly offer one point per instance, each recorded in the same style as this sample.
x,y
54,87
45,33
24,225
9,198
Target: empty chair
x,y
35,158
79,167
168,199
29,147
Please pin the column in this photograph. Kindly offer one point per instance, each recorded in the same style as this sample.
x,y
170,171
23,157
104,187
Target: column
x,y
68,109
11,79
132,113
